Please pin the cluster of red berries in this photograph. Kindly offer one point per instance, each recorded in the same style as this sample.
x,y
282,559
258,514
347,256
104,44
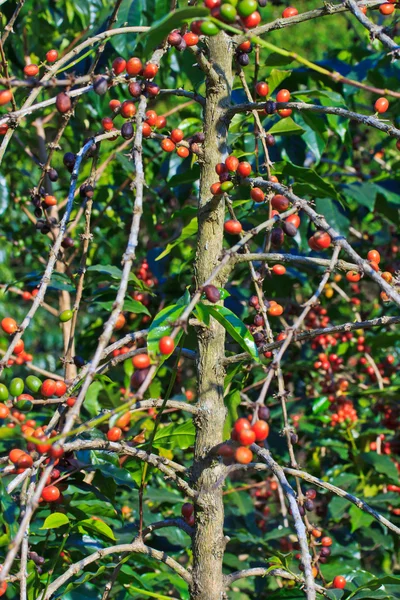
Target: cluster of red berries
x,y
343,412
245,434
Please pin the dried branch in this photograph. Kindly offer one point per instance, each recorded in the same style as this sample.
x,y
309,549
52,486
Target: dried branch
x,y
264,571
375,30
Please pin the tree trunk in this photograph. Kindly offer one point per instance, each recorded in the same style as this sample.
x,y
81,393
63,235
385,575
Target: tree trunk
x,y
208,540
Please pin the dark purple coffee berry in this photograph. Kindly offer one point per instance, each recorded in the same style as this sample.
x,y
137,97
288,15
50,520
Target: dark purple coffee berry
x,y
69,160
52,175
135,89
294,438
289,229
264,413
38,212
243,59
258,321
79,361
138,377
309,505
270,140
174,38
127,130
253,301
182,46
325,551
277,237
212,293
67,242
100,86
270,107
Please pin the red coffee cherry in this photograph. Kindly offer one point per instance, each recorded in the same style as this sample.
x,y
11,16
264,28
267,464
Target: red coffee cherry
x,y
5,97
161,122
322,240
4,411
382,104
243,455
166,345
3,129
135,89
233,227
191,39
25,461
119,65
177,135
183,152
290,11
232,163
275,310
151,117
283,96
212,293
244,169
257,195
262,88
128,109
52,56
50,200
326,541
241,424
19,347
246,437
141,361
114,104
150,71
386,9
252,20
51,493
374,256
56,451
60,389
279,269
15,454
261,430
134,66
167,145
215,189
353,276
120,322
280,202
9,325
294,220
48,388
31,70
107,123
63,103
285,112
339,582
114,434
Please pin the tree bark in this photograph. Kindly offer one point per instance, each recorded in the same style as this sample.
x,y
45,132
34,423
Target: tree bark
x,y
209,541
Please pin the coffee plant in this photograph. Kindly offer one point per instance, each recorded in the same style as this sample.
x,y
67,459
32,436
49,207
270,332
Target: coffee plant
x,y
200,293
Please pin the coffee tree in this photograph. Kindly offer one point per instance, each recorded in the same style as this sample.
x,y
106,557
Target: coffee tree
x,y
199,300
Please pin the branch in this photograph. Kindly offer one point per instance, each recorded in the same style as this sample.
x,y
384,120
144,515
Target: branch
x,y
327,110
298,522
307,261
169,468
178,522
263,571
337,238
136,547
325,11
54,250
308,335
375,30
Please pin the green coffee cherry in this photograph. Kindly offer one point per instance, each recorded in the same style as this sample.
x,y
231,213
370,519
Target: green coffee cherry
x,y
3,392
33,383
65,316
16,386
226,186
247,7
24,403
209,28
228,13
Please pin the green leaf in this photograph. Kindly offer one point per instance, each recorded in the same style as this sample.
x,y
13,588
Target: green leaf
x,y
320,405
160,29
277,60
55,520
286,127
236,328
232,402
189,230
381,463
276,77
311,178
95,526
146,593
162,325
4,194
133,306
359,518
363,193
173,435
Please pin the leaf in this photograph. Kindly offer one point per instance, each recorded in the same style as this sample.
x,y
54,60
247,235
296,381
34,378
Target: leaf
x,y
160,29
236,329
363,193
173,435
320,405
55,520
311,178
277,60
286,127
382,463
96,526
189,230
276,77
162,325
359,518
231,401
91,403
130,305
143,592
